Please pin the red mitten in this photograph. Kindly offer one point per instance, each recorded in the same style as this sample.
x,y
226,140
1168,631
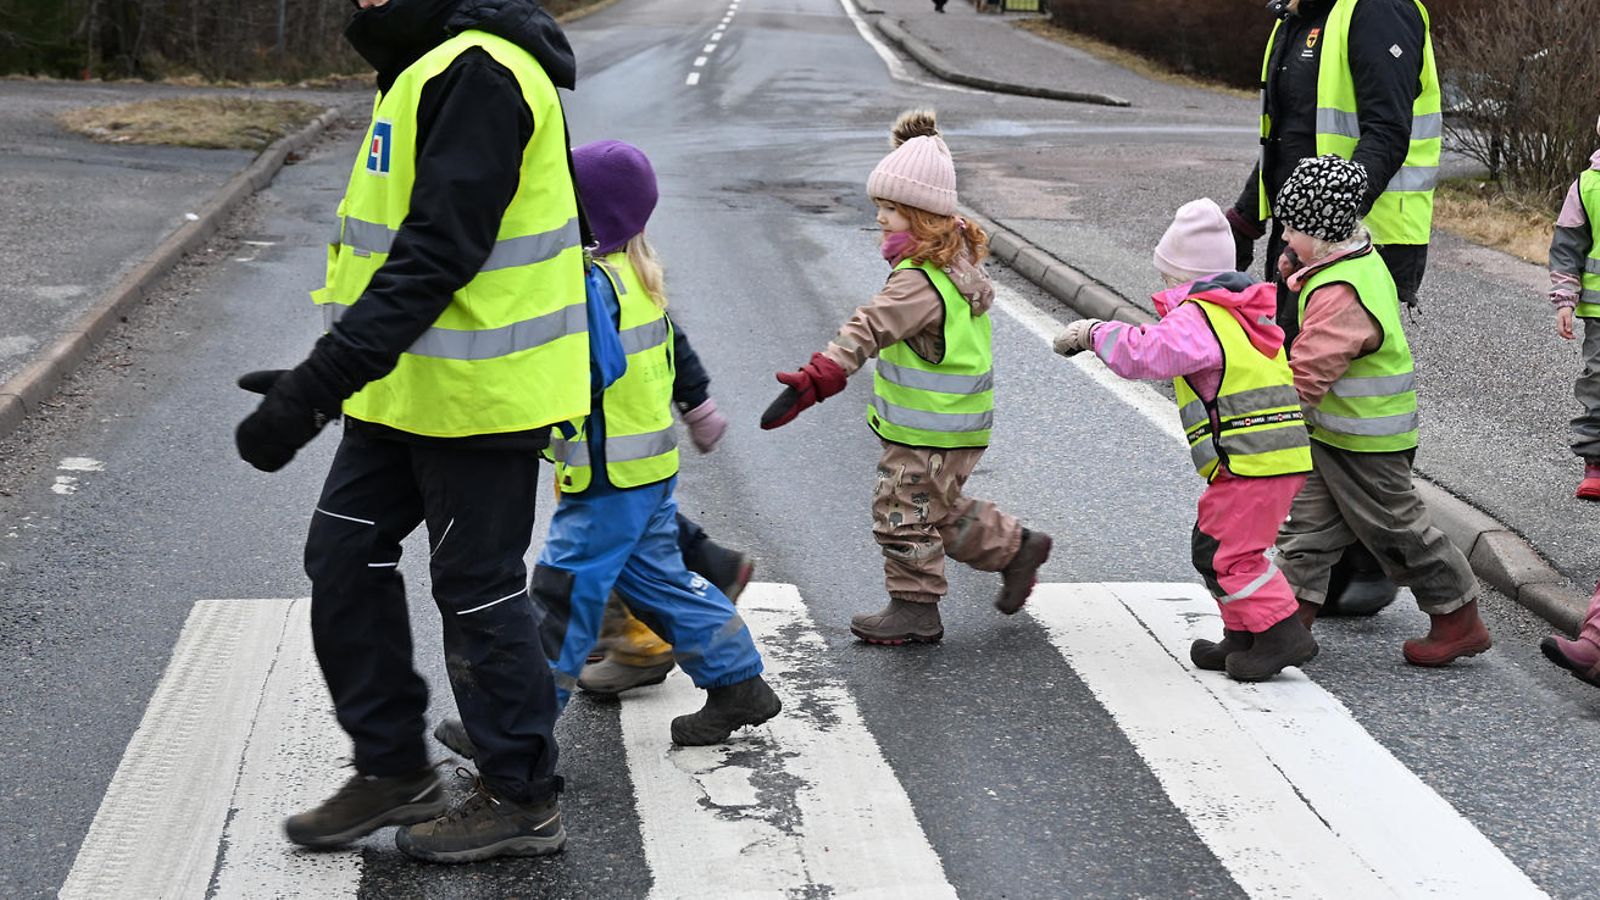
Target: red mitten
x,y
816,381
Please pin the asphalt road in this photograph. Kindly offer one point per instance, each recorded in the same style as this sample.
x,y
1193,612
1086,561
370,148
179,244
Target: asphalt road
x,y
1022,776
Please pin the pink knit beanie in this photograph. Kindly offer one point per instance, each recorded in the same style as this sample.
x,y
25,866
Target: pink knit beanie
x,y
1198,243
919,172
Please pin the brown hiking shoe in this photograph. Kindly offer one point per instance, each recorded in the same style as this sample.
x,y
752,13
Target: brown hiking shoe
x,y
899,622
363,805
484,826
1019,575
1212,656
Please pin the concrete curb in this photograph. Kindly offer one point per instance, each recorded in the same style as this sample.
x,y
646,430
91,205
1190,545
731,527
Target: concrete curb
x,y
930,59
1499,556
24,393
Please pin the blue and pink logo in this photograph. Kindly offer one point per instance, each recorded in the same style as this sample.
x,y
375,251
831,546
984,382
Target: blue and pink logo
x,y
378,150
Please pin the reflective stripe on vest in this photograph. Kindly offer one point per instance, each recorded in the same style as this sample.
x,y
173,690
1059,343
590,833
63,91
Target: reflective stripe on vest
x,y
1403,214
945,404
1373,407
641,442
1589,194
510,351
1255,426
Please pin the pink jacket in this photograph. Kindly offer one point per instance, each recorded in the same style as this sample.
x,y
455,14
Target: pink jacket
x,y
1182,342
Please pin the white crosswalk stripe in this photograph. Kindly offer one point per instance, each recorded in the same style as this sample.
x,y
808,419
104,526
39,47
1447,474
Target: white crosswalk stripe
x,y
1278,780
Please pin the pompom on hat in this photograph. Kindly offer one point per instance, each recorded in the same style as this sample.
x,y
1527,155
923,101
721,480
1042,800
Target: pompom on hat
x,y
919,171
618,190
1198,243
1322,198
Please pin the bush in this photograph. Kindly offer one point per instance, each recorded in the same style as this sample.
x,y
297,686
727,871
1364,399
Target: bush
x,y
1215,39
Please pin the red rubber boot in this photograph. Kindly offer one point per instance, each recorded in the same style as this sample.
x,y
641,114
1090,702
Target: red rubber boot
x,y
1589,487
1450,637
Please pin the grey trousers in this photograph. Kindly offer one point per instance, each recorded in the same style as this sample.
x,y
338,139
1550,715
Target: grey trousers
x,y
1369,497
1586,427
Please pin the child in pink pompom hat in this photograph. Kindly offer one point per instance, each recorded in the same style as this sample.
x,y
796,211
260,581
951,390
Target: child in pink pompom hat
x,y
1217,339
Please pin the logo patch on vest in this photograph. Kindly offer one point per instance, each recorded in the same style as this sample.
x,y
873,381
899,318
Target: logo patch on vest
x,y
1311,38
378,150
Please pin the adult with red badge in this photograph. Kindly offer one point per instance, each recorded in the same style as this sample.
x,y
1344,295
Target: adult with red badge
x,y
457,336
1355,79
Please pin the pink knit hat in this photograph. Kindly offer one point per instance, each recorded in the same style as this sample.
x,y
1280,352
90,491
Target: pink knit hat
x,y
1198,243
919,172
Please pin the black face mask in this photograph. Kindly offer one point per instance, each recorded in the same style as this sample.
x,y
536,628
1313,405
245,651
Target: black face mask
x,y
396,34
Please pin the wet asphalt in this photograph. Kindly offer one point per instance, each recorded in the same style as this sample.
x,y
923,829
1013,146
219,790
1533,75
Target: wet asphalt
x,y
1019,778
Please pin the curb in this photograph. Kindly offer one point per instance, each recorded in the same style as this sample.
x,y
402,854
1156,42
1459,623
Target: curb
x,y
24,393
930,59
1500,557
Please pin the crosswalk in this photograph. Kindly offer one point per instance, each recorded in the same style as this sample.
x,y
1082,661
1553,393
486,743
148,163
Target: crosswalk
x,y
1278,780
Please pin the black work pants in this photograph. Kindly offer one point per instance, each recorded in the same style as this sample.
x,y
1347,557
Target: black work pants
x,y
478,506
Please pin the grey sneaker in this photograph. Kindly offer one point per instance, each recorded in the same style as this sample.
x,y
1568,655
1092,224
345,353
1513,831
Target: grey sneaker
x,y
899,622
453,734
749,702
610,677
484,826
363,805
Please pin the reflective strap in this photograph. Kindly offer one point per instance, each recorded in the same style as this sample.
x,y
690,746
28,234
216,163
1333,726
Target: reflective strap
x,y
570,453
616,280
1276,396
532,248
1590,297
1381,426
1592,266
1193,413
1252,587
940,382
642,337
1266,440
375,237
1377,386
634,447
944,423
451,343
1414,178
1425,127
1203,453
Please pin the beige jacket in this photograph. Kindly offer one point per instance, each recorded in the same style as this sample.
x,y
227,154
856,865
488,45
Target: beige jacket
x,y
908,309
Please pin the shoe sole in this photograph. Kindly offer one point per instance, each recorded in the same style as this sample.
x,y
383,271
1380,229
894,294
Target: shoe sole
x,y
897,641
410,814
518,846
1553,653
1254,679
466,752
1474,650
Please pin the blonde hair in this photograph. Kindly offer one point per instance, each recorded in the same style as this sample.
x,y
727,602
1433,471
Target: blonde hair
x,y
940,239
1321,249
647,265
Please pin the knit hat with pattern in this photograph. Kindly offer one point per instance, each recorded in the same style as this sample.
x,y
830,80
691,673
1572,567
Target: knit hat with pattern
x,y
1322,198
919,172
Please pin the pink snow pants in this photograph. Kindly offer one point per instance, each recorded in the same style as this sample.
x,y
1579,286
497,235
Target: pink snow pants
x,y
1238,520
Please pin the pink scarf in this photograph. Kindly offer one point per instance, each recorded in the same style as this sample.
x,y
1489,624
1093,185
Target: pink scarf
x,y
896,246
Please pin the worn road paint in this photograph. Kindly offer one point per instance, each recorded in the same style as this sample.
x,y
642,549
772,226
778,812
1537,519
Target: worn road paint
x,y
1278,779
225,721
81,464
65,484
805,805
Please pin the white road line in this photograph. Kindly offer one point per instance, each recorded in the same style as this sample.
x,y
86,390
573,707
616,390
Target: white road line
x,y
716,35
708,48
699,61
693,79
897,69
238,665
806,803
1278,779
1160,411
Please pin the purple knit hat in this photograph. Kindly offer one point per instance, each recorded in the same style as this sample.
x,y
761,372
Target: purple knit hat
x,y
618,190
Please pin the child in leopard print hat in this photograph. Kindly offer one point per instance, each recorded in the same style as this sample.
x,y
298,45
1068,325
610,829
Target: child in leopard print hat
x,y
1352,368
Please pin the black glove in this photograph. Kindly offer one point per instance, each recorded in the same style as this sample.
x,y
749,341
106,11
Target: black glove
x,y
1245,235
296,407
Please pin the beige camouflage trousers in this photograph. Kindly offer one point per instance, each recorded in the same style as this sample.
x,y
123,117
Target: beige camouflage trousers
x,y
920,516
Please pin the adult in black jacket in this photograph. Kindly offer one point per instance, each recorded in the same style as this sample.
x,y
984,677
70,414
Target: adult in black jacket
x,y
1386,46
475,494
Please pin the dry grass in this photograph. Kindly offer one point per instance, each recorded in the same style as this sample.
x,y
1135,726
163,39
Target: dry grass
x,y
218,123
1483,213
1127,59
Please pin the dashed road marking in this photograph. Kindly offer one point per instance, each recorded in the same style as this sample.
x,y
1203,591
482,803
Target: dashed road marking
x,y
700,61
693,79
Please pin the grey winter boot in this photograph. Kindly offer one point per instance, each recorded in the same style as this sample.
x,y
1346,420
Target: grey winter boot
x,y
363,805
1212,655
484,826
899,622
1019,575
453,734
1285,644
749,702
611,676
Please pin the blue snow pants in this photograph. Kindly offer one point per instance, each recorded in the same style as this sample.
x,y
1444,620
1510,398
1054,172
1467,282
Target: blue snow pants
x,y
628,539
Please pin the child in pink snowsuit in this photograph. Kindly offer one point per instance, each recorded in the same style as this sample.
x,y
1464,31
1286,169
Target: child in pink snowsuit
x,y
1250,442
1582,656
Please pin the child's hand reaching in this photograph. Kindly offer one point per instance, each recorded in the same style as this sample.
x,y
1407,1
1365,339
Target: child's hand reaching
x,y
1078,337
816,381
1564,322
706,425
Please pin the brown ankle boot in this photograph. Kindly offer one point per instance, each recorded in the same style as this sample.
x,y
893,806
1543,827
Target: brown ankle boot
x,y
1212,656
1019,576
1450,637
899,622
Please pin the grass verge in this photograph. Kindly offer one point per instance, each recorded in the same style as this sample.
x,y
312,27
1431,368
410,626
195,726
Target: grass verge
x,y
1484,213
214,123
1127,59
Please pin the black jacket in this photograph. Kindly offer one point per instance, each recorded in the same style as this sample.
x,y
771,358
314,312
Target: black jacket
x,y
472,127
1387,83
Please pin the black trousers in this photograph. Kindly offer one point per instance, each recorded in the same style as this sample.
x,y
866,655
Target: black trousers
x,y
478,506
